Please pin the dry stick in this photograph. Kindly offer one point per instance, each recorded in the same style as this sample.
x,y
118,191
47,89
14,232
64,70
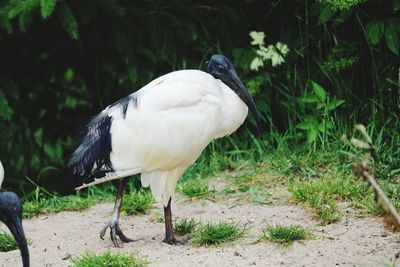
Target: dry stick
x,y
382,198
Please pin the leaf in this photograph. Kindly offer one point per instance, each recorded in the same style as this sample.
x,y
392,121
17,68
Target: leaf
x,y
392,40
308,123
319,91
47,7
24,20
310,99
311,135
327,13
68,20
375,30
341,17
320,105
6,111
324,126
333,104
394,23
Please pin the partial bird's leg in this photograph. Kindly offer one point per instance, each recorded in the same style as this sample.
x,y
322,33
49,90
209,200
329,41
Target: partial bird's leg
x,y
114,222
169,235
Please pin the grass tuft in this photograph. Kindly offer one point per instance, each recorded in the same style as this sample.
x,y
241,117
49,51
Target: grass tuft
x,y
321,196
58,204
215,234
7,242
197,189
185,227
137,203
108,259
285,235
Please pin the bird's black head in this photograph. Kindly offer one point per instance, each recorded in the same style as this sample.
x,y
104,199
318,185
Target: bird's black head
x,y
221,68
11,215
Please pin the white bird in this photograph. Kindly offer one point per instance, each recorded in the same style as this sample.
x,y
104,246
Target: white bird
x,y
11,216
159,131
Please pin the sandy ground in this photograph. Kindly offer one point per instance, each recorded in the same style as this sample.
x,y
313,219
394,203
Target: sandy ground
x,y
351,242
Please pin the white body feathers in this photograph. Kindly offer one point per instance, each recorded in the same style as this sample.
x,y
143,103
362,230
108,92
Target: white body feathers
x,y
1,174
176,116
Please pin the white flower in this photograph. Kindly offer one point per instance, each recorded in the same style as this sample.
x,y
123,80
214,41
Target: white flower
x,y
275,53
276,60
258,38
283,48
256,63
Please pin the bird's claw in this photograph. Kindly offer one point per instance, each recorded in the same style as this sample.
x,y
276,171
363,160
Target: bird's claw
x,y
115,231
174,241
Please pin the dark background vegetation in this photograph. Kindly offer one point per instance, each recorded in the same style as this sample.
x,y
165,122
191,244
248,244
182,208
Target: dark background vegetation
x,y
63,61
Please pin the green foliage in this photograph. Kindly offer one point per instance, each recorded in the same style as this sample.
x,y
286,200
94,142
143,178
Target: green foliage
x,y
107,259
341,58
215,234
7,242
137,202
387,28
343,4
285,235
320,122
184,226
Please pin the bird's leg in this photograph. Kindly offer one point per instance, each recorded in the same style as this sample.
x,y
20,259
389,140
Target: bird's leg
x,y
115,230
169,235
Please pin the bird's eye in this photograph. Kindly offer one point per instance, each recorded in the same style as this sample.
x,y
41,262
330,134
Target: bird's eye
x,y
220,68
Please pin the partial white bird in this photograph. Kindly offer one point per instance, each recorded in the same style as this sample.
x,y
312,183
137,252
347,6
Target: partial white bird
x,y
1,174
159,131
11,216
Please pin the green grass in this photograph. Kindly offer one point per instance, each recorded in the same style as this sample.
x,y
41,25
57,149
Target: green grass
x,y
57,204
324,178
252,183
216,234
285,235
7,242
322,196
333,186
137,203
108,259
197,189
185,227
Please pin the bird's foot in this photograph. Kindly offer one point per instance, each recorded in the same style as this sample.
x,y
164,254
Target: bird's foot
x,y
115,231
174,241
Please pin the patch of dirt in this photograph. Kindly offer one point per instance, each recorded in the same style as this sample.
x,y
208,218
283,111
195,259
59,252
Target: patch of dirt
x,y
351,242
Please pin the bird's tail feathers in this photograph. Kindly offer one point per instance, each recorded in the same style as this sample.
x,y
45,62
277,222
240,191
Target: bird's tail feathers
x,y
92,157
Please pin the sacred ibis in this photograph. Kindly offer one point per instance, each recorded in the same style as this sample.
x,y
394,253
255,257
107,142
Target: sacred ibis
x,y
11,215
159,131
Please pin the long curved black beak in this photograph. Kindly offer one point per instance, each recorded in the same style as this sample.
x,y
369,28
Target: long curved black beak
x,y
241,91
16,229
